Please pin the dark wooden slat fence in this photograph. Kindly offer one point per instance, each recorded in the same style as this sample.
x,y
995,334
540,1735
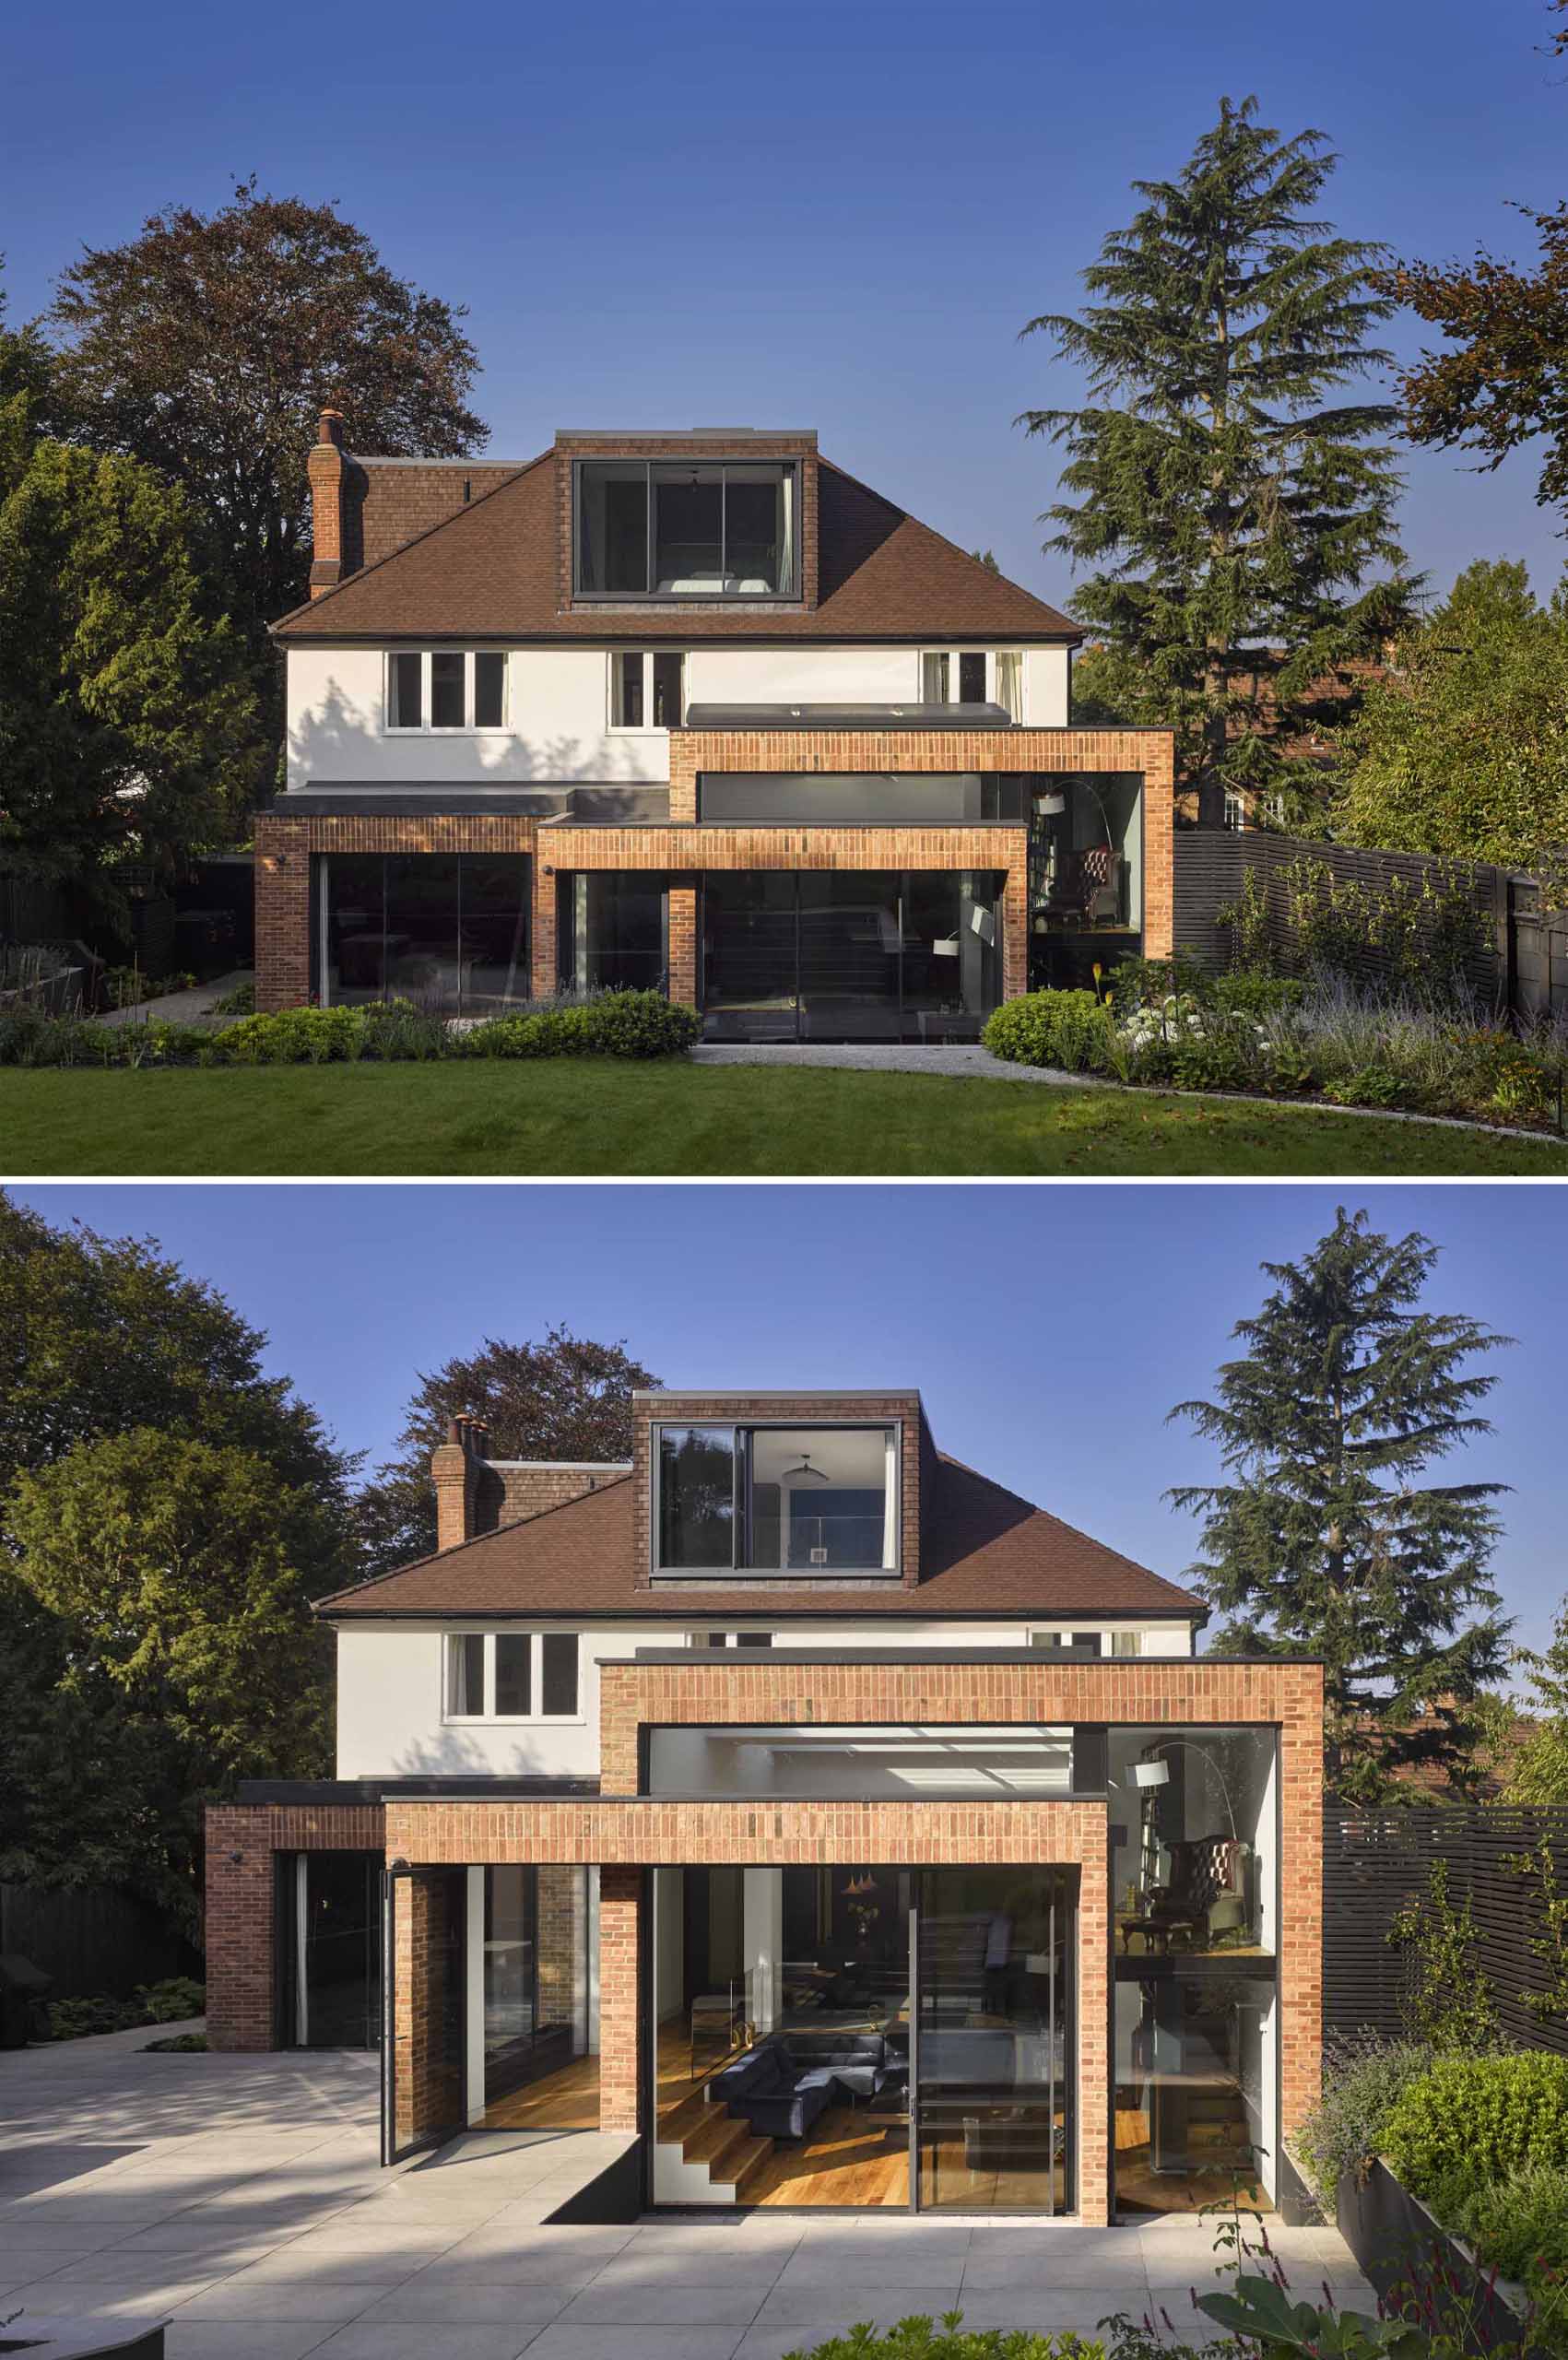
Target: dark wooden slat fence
x,y
1374,1863
1523,967
96,1940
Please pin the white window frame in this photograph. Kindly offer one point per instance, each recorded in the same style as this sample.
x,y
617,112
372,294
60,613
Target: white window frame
x,y
614,728
425,727
490,1717
1234,815
990,653
716,1641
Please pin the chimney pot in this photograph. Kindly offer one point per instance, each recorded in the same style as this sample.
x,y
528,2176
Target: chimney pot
x,y
329,428
453,1432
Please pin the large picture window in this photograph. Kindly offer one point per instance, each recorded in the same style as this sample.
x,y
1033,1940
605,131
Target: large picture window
x,y
797,1499
449,932
676,530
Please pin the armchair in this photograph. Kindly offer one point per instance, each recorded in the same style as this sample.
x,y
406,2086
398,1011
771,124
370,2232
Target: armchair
x,y
1205,1894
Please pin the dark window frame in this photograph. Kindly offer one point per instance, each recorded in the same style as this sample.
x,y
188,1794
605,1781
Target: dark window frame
x,y
653,598
741,1526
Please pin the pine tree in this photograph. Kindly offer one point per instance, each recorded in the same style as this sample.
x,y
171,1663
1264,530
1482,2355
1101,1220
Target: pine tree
x,y
1325,1543
1232,510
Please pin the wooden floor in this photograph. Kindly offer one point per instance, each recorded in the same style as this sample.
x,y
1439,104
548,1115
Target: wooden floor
x,y
848,2157
567,2100
1141,2189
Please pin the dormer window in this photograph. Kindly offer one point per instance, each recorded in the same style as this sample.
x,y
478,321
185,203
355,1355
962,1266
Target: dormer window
x,y
657,528
796,1500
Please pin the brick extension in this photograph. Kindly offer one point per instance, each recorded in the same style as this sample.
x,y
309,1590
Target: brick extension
x,y
243,1845
682,850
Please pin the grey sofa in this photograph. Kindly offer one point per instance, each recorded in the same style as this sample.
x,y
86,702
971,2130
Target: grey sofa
x,y
782,2084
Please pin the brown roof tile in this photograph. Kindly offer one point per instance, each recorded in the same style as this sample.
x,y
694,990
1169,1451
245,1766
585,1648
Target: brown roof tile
x,y
490,572
984,1552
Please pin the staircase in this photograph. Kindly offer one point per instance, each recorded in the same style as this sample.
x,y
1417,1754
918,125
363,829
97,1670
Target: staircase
x,y
1217,2136
721,2157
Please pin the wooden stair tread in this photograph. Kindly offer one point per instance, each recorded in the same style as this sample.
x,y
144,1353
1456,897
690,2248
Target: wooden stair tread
x,y
677,2125
747,2155
713,2138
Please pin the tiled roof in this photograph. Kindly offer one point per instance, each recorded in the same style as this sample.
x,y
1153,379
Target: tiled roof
x,y
983,1551
490,570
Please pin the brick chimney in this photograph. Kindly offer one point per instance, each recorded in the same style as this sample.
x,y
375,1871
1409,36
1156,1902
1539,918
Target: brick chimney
x,y
328,472
455,1468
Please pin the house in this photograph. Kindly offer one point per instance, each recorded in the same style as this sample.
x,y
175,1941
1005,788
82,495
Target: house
x,y
692,711
812,1810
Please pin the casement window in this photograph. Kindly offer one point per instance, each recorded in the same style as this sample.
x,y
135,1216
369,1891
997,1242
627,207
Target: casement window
x,y
1126,1642
973,676
513,1676
434,691
1234,814
647,690
708,1639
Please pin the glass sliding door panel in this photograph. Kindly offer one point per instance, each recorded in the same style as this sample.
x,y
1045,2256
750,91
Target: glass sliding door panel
x,y
780,1995
850,946
536,1993
749,976
424,960
696,1496
611,931
354,928
612,526
332,1983
493,955
995,2039
688,504
821,1498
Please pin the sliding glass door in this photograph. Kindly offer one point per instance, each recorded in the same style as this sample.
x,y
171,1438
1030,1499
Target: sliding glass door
x,y
874,2038
850,954
992,2116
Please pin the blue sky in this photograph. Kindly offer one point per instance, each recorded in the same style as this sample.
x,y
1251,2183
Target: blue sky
x,y
711,212
1049,1328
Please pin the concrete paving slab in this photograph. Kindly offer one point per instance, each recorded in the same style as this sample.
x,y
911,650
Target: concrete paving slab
x,y
697,2305
434,2306
559,2343
232,2340
382,2342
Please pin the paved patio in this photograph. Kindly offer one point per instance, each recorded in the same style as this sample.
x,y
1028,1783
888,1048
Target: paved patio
x,y
242,2196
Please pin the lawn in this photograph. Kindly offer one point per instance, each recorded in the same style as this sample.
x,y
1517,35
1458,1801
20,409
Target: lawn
x,y
552,1119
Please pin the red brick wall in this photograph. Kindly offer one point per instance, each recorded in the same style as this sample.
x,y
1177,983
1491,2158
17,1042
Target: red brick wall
x,y
243,1843
621,1920
428,2063
824,1409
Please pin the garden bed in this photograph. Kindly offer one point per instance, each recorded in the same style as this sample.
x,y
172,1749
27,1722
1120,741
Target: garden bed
x,y
1393,2234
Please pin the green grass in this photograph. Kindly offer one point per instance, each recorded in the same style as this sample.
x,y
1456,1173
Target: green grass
x,y
645,1120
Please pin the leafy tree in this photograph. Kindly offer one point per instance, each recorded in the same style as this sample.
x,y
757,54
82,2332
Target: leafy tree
x,y
987,558
167,1509
1505,383
1540,1769
1325,1541
1462,750
1231,504
207,346
128,722
565,1398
